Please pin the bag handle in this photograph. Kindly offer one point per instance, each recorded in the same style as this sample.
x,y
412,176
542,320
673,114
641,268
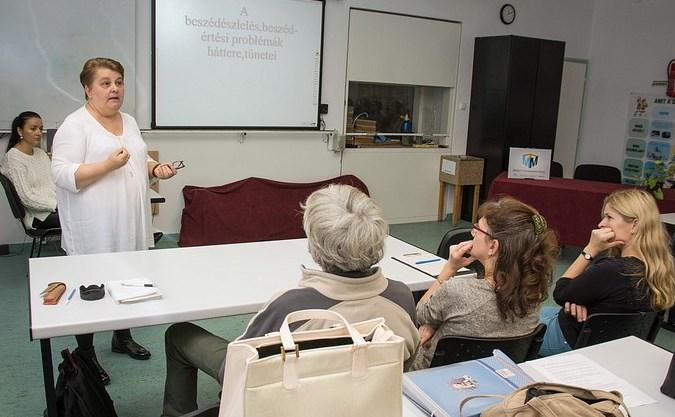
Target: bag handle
x,y
613,396
315,314
291,380
474,397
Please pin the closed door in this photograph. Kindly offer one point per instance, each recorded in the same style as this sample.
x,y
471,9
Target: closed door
x,y
569,115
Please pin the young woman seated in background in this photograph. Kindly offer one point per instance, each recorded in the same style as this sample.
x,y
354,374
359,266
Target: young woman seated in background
x,y
517,250
637,275
28,167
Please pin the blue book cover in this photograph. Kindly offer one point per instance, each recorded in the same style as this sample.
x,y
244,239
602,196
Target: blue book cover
x,y
439,391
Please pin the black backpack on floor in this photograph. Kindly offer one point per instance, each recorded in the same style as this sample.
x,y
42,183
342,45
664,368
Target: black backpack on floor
x,y
79,390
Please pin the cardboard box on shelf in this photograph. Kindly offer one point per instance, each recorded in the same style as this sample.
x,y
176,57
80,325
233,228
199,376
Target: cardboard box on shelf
x,y
366,126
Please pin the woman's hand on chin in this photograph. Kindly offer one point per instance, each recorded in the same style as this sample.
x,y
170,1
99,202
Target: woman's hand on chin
x,y
460,254
601,240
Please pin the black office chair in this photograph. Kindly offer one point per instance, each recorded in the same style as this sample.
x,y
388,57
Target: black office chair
x,y
556,169
603,327
602,173
19,212
454,349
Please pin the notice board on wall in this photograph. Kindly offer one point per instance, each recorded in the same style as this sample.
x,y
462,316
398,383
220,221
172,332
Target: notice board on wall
x,y
649,135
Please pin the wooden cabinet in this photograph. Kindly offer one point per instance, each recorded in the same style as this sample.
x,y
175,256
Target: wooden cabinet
x,y
515,92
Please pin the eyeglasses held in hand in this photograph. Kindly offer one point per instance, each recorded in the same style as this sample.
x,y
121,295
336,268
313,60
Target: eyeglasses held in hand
x,y
178,164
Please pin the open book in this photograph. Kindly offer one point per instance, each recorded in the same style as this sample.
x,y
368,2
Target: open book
x,y
439,391
132,290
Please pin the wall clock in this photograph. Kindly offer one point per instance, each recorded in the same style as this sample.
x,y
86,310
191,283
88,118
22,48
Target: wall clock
x,y
507,14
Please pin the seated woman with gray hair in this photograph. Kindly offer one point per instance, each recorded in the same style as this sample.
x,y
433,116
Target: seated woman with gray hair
x,y
346,233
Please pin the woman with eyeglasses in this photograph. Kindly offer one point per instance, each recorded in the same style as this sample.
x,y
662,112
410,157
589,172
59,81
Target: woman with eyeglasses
x,y
102,171
517,250
638,273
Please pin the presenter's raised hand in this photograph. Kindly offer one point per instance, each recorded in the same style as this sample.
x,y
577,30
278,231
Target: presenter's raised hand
x,y
164,171
118,159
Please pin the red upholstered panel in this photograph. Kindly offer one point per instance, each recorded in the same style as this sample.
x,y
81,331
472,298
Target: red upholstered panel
x,y
250,210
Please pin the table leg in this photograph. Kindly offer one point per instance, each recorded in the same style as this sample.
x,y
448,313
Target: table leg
x,y
456,211
476,197
441,200
48,373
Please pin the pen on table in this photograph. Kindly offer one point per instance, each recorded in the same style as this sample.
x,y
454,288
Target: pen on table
x,y
411,254
72,292
124,284
426,261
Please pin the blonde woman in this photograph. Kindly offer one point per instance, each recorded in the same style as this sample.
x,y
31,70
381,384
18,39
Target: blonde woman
x,y
637,275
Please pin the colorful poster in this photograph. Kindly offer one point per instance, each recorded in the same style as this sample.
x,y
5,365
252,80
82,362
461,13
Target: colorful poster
x,y
648,135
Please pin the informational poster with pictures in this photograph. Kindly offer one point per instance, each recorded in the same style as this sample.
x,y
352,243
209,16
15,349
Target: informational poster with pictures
x,y
649,135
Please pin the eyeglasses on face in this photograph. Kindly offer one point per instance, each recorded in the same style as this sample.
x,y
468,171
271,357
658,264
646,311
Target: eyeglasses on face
x,y
476,227
178,164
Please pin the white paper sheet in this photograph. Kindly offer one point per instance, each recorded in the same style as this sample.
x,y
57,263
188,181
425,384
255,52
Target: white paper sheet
x,y
422,261
577,369
132,290
449,167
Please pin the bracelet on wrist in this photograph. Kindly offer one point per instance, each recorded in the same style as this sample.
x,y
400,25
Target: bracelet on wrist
x,y
440,281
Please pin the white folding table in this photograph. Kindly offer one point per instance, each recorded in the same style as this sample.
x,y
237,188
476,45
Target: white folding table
x,y
196,283
640,363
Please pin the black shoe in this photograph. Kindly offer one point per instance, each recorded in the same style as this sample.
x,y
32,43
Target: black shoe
x,y
90,355
130,347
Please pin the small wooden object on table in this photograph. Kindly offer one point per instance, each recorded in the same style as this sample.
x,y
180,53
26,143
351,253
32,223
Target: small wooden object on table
x,y
460,171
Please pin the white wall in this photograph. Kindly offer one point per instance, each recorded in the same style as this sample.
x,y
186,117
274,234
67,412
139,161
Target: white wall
x,y
631,45
218,158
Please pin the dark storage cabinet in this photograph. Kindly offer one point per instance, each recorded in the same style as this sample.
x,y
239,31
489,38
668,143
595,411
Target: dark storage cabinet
x,y
515,92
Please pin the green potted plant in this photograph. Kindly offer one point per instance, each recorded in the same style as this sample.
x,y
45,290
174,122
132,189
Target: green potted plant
x,y
655,178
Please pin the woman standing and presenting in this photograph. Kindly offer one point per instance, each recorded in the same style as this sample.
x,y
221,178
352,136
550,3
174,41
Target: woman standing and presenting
x,y
637,275
27,166
102,171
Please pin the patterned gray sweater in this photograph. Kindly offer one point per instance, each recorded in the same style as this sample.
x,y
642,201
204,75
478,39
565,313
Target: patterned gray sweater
x,y
466,306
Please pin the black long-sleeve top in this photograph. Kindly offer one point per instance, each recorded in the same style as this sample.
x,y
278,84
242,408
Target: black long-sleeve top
x,y
610,285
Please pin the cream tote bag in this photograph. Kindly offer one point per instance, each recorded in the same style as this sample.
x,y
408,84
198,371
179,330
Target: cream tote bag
x,y
343,371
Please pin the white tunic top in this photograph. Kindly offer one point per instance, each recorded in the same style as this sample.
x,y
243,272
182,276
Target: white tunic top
x,y
32,179
113,213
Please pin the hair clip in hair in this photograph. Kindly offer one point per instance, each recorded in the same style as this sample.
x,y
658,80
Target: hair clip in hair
x,y
92,292
539,224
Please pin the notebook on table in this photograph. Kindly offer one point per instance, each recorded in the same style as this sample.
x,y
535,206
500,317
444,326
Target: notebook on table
x,y
439,391
133,290
426,262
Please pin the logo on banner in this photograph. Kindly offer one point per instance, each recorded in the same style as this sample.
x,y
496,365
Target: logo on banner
x,y
530,160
